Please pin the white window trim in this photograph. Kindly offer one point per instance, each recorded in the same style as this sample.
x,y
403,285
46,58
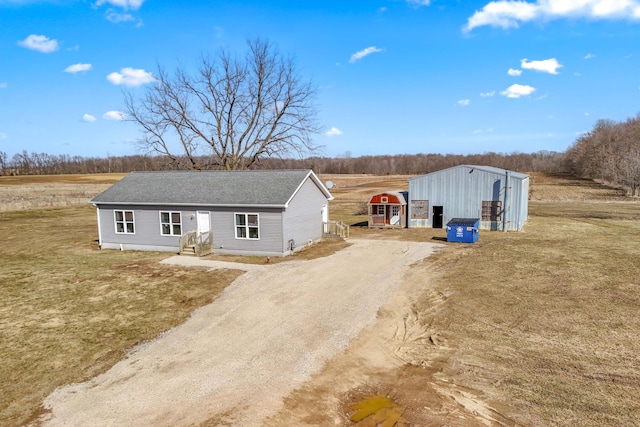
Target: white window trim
x,y
124,221
235,226
171,223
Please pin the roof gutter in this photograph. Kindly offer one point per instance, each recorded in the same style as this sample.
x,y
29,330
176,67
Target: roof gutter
x,y
189,204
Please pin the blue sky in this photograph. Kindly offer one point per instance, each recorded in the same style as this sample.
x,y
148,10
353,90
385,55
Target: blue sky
x,y
393,76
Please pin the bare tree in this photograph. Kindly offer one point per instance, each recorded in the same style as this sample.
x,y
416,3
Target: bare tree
x,y
231,113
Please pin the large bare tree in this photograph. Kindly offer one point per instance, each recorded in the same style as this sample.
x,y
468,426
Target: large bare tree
x,y
230,113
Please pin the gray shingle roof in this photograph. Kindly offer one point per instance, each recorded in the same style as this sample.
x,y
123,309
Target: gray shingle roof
x,y
208,188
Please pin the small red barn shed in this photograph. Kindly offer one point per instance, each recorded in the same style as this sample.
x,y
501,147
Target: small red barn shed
x,y
388,209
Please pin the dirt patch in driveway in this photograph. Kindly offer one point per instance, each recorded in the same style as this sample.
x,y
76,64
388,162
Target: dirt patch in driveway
x,y
407,355
235,361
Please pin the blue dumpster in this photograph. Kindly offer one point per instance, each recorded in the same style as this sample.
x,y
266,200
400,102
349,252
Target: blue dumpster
x,y
463,230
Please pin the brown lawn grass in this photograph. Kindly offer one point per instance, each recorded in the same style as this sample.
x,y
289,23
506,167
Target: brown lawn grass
x,y
546,320
543,323
69,311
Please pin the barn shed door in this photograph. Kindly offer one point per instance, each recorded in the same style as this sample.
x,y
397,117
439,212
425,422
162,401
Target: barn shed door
x,y
395,215
437,216
204,224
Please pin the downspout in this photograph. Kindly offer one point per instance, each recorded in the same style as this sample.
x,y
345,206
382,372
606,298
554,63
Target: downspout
x,y
506,200
99,228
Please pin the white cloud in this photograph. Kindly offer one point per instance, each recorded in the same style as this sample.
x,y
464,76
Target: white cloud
x,y
517,91
514,72
76,68
364,52
114,115
545,66
116,17
333,132
40,43
124,4
419,3
589,56
509,13
130,77
488,94
464,102
3,85
89,118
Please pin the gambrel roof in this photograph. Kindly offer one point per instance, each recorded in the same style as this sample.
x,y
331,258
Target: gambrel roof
x,y
263,188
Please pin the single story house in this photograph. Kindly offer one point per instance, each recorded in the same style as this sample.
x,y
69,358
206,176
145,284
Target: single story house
x,y
498,197
266,212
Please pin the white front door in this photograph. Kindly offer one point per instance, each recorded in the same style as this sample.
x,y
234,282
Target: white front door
x,y
204,224
395,215
325,218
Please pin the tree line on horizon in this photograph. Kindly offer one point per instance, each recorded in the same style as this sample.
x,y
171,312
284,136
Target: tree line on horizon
x,y
610,154
26,163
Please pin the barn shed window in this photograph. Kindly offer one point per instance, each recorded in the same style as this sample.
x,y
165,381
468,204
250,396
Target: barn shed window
x,y
170,224
124,222
419,209
491,210
247,226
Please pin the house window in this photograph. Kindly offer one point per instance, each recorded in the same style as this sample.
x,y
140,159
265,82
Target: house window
x,y
247,226
419,209
380,209
170,224
491,210
124,222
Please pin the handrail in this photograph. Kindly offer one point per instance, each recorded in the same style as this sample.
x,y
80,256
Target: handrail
x,y
188,239
338,228
202,243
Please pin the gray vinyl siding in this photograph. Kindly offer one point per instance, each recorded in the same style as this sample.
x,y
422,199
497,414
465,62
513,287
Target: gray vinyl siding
x,y
146,228
303,217
462,189
270,232
288,204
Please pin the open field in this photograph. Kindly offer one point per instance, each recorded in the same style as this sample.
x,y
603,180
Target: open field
x,y
536,328
47,191
532,328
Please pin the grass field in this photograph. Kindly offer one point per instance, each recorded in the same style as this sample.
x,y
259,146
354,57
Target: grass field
x,y
543,323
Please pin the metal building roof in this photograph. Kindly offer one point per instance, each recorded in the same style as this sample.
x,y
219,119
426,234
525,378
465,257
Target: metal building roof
x,y
267,188
490,169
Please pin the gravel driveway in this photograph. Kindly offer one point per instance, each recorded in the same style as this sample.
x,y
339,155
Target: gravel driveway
x,y
235,360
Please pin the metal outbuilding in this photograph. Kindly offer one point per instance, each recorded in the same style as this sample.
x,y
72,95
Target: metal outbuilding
x,y
498,197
